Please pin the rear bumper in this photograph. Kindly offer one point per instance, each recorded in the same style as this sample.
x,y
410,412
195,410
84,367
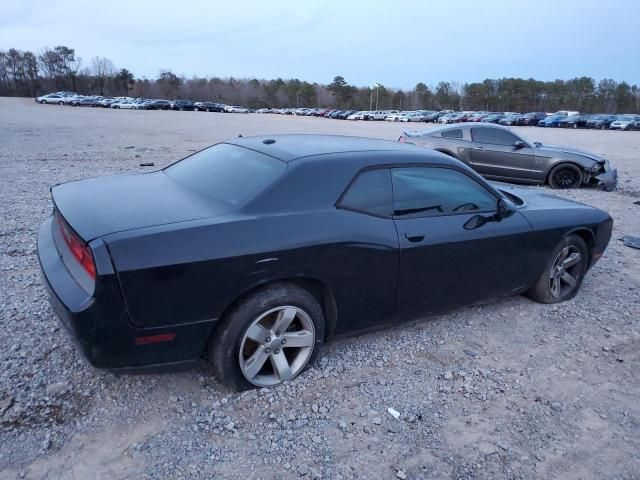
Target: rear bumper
x,y
99,326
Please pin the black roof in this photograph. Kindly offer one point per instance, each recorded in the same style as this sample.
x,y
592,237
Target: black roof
x,y
291,146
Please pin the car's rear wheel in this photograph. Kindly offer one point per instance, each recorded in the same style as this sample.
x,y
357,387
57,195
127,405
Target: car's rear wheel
x,y
268,338
60,103
564,272
565,175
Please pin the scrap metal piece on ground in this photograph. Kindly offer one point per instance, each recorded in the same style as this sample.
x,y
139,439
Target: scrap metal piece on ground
x,y
631,241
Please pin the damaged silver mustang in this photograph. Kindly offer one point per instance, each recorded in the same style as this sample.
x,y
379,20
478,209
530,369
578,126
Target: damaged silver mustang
x,y
497,153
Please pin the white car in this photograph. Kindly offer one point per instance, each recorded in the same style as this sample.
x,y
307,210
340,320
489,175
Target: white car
x,y
356,116
235,109
624,122
377,114
568,113
128,104
397,117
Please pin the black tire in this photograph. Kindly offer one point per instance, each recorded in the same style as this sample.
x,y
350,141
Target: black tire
x,y
542,289
564,176
60,103
224,346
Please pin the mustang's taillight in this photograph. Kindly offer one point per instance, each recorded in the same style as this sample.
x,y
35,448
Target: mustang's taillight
x,y
80,251
402,139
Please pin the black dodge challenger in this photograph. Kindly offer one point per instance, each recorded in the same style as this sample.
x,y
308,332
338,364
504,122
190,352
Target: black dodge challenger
x,y
254,251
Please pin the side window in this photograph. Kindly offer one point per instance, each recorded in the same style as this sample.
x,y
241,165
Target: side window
x,y
430,191
493,136
370,193
454,133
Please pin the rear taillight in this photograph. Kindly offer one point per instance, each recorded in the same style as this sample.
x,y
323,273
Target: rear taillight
x,y
80,251
402,139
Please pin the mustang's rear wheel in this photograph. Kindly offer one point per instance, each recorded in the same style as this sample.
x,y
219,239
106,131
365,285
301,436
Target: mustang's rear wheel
x,y
566,175
268,338
564,272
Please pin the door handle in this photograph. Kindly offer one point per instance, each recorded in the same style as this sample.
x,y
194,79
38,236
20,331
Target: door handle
x,y
478,148
414,237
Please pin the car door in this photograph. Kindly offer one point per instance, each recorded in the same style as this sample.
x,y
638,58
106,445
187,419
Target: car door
x,y
498,153
445,261
366,267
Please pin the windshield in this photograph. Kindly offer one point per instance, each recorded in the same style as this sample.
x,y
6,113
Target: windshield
x,y
231,174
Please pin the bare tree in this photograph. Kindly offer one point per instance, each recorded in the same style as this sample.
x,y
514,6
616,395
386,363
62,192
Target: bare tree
x,y
103,70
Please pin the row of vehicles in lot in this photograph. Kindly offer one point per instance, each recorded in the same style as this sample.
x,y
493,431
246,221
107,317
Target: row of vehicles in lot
x,y
128,103
562,119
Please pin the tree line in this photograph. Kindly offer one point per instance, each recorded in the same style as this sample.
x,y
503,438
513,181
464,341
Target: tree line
x,y
25,73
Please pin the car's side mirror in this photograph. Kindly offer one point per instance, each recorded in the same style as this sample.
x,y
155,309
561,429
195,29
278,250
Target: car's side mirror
x,y
519,144
504,209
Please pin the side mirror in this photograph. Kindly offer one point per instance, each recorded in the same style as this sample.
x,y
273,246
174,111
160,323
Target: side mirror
x,y
504,209
519,144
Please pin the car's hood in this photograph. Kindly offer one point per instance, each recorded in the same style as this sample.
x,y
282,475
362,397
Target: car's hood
x,y
558,149
104,205
537,198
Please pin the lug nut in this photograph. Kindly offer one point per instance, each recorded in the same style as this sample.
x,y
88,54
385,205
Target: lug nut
x,y
284,340
268,339
277,351
277,334
267,350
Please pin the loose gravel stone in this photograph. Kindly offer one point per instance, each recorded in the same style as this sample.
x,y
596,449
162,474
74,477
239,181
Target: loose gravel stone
x,y
515,409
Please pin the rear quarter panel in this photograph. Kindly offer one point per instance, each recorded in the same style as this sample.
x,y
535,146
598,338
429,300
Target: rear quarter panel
x,y
176,276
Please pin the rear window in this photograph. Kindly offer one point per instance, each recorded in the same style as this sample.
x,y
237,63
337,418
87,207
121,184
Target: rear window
x,y
227,173
455,133
370,193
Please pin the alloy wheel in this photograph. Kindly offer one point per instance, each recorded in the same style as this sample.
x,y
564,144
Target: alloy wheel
x,y
276,346
566,178
565,271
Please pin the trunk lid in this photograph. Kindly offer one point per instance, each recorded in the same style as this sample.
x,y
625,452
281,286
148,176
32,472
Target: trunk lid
x,y
100,206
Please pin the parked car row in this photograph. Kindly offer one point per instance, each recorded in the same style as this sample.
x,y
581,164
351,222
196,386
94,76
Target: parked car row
x,y
129,103
562,119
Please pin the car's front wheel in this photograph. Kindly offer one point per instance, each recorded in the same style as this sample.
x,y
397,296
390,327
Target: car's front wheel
x,y
565,175
268,338
564,272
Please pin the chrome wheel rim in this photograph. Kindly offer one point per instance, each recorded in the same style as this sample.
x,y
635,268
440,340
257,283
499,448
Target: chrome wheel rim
x,y
276,346
563,277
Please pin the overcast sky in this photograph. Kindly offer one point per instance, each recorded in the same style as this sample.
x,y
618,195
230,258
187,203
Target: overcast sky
x,y
397,43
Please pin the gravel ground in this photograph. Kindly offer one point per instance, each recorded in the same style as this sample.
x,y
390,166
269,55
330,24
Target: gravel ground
x,y
511,389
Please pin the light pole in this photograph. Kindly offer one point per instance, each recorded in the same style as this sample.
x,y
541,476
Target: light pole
x,y
376,86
